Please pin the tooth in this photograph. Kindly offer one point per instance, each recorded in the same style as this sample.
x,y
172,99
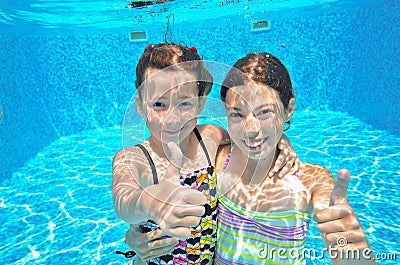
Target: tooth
x,y
254,144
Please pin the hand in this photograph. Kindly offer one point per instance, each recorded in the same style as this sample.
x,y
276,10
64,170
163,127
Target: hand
x,y
146,245
338,223
288,161
174,208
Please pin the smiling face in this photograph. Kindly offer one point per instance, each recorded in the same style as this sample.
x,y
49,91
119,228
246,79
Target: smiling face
x,y
169,102
256,118
259,97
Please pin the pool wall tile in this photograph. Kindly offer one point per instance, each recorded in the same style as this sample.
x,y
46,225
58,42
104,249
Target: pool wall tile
x,y
57,85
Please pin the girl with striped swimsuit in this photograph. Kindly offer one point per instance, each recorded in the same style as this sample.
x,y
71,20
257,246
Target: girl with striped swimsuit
x,y
264,220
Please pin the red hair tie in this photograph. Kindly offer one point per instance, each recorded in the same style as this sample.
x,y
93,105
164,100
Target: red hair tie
x,y
148,47
193,49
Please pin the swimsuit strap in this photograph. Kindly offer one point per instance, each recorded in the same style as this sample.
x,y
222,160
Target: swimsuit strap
x,y
228,158
153,167
196,132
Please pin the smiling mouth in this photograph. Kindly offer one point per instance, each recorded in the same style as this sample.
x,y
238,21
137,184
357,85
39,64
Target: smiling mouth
x,y
171,132
255,144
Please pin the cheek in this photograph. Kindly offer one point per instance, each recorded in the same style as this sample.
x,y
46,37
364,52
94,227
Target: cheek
x,y
274,121
275,130
279,125
235,130
152,116
279,122
234,126
189,115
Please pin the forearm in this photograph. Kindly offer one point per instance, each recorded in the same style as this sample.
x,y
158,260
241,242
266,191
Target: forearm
x,y
128,204
126,188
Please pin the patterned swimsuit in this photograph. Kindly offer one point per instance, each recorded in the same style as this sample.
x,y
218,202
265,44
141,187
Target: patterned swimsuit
x,y
200,246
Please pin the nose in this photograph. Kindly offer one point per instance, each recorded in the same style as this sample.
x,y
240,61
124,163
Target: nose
x,y
252,127
172,119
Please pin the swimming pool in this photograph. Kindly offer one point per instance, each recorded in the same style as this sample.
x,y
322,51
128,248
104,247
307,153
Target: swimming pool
x,y
66,86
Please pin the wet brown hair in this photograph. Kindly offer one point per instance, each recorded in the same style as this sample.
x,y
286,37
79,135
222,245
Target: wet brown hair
x,y
263,68
163,55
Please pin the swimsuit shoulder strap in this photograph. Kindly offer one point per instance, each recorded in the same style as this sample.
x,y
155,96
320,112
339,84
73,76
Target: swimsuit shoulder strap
x,y
228,158
152,166
196,132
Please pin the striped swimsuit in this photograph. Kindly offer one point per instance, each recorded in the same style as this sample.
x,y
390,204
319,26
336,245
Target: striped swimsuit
x,y
199,248
249,237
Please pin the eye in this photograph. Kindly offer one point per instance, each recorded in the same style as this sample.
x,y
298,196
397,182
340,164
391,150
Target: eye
x,y
235,115
185,104
265,111
158,105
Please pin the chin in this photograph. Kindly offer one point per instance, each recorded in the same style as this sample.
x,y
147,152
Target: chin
x,y
257,154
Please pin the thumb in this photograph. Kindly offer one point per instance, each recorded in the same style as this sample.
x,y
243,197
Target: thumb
x,y
339,193
194,197
176,160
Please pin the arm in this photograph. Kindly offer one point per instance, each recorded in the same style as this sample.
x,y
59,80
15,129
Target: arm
x,y
126,189
340,229
149,245
288,161
174,208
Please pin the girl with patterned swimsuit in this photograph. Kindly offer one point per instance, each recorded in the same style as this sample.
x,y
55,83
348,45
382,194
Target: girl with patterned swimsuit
x,y
199,247
167,185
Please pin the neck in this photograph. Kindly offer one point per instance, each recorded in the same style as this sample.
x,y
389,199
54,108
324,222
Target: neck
x,y
256,169
161,149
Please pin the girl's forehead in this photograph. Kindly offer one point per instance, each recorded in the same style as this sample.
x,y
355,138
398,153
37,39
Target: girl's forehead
x,y
171,75
252,94
159,83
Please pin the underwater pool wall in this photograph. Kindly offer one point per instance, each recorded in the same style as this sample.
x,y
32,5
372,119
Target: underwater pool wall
x,y
54,86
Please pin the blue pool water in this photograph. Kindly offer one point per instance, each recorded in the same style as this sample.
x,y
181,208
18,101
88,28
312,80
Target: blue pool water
x,y
66,81
58,207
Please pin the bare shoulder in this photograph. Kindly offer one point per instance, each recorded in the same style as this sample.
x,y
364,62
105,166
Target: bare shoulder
x,y
313,169
319,182
209,128
314,175
129,156
215,132
126,152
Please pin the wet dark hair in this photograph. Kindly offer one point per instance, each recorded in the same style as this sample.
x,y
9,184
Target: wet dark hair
x,y
163,55
262,68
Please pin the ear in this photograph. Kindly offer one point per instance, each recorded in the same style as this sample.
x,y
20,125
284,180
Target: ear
x,y
139,104
202,102
290,109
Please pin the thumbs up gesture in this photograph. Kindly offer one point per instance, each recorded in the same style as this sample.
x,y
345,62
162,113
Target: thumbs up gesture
x,y
174,208
339,193
338,223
